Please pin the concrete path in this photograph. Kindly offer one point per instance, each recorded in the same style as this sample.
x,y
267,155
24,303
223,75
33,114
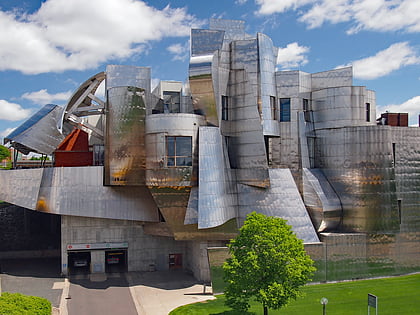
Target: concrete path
x,y
143,293
99,295
158,293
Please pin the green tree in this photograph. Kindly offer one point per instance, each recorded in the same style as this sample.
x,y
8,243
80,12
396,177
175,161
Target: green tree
x,y
4,152
268,263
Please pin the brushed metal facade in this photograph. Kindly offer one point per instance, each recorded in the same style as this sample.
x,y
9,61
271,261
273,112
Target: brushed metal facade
x,y
245,137
125,156
39,133
281,199
217,195
76,191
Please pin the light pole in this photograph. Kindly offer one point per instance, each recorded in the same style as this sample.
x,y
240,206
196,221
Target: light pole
x,y
324,302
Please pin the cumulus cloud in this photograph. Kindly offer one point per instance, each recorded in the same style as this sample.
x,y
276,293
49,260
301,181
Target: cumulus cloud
x,y
385,61
61,36
12,111
180,51
292,56
275,6
42,97
412,107
378,15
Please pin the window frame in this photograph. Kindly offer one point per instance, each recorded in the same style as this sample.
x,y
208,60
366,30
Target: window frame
x,y
285,114
175,157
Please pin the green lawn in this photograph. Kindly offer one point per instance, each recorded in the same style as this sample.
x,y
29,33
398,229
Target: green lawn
x,y
399,295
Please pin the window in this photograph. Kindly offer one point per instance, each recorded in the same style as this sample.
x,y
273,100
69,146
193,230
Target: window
x,y
225,108
273,107
171,102
285,109
306,110
367,111
178,151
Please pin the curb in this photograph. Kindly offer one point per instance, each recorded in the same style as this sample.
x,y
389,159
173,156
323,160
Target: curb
x,y
64,296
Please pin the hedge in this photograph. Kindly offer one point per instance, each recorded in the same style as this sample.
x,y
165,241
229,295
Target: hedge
x,y
19,304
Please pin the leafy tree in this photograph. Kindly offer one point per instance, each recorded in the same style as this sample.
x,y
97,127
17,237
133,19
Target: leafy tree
x,y
4,152
268,263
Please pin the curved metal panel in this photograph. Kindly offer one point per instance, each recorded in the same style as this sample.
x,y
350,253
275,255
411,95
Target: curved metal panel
x,y
158,127
39,133
125,156
217,197
267,59
246,144
321,200
281,199
358,163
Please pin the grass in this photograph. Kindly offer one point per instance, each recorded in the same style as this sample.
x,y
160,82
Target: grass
x,y
398,295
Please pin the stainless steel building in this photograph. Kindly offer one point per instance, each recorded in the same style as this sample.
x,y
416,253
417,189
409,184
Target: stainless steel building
x,y
177,169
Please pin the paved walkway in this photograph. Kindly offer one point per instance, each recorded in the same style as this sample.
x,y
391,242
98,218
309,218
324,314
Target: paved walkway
x,y
143,293
158,293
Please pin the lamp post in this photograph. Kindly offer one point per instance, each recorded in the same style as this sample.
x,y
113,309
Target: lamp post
x,y
324,302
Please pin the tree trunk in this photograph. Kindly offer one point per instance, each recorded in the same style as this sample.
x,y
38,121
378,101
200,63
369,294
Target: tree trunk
x,y
265,310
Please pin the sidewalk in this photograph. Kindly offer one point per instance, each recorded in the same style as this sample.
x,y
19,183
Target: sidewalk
x,y
159,292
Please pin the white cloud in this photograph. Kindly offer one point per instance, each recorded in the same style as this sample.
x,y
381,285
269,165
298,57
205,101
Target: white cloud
x,y
42,97
292,56
79,34
412,107
12,111
276,6
375,15
384,62
5,133
180,52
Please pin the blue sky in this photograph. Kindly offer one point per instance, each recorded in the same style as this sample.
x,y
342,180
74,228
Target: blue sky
x,y
48,48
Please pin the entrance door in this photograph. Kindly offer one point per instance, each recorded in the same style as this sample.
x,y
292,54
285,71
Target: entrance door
x,y
175,261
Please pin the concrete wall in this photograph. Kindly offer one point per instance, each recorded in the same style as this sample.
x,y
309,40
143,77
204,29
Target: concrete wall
x,y
145,252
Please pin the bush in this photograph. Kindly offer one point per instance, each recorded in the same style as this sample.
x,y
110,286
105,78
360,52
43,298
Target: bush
x,y
19,304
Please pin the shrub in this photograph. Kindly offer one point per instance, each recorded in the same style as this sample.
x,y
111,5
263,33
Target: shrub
x,y
19,304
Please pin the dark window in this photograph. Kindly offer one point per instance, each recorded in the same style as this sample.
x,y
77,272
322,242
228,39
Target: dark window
x,y
367,111
394,160
171,102
273,107
178,151
285,109
306,110
225,108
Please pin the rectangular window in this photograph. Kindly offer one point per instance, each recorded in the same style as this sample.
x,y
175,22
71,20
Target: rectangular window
x,y
171,102
367,111
273,107
178,151
306,110
225,108
285,109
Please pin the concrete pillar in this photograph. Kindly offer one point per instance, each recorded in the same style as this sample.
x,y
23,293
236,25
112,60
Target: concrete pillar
x,y
97,261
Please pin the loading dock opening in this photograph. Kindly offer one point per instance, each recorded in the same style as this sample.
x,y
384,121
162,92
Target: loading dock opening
x,y
78,262
116,260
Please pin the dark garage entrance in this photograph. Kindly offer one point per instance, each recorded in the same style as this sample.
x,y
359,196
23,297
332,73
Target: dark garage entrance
x,y
78,262
116,260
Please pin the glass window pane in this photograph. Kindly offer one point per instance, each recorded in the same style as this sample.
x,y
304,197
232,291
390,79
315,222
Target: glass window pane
x,y
183,146
170,146
171,161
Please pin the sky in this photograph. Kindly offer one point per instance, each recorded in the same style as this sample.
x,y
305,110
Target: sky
x,y
48,48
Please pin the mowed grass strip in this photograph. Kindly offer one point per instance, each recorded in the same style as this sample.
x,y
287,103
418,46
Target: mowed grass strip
x,y
397,295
